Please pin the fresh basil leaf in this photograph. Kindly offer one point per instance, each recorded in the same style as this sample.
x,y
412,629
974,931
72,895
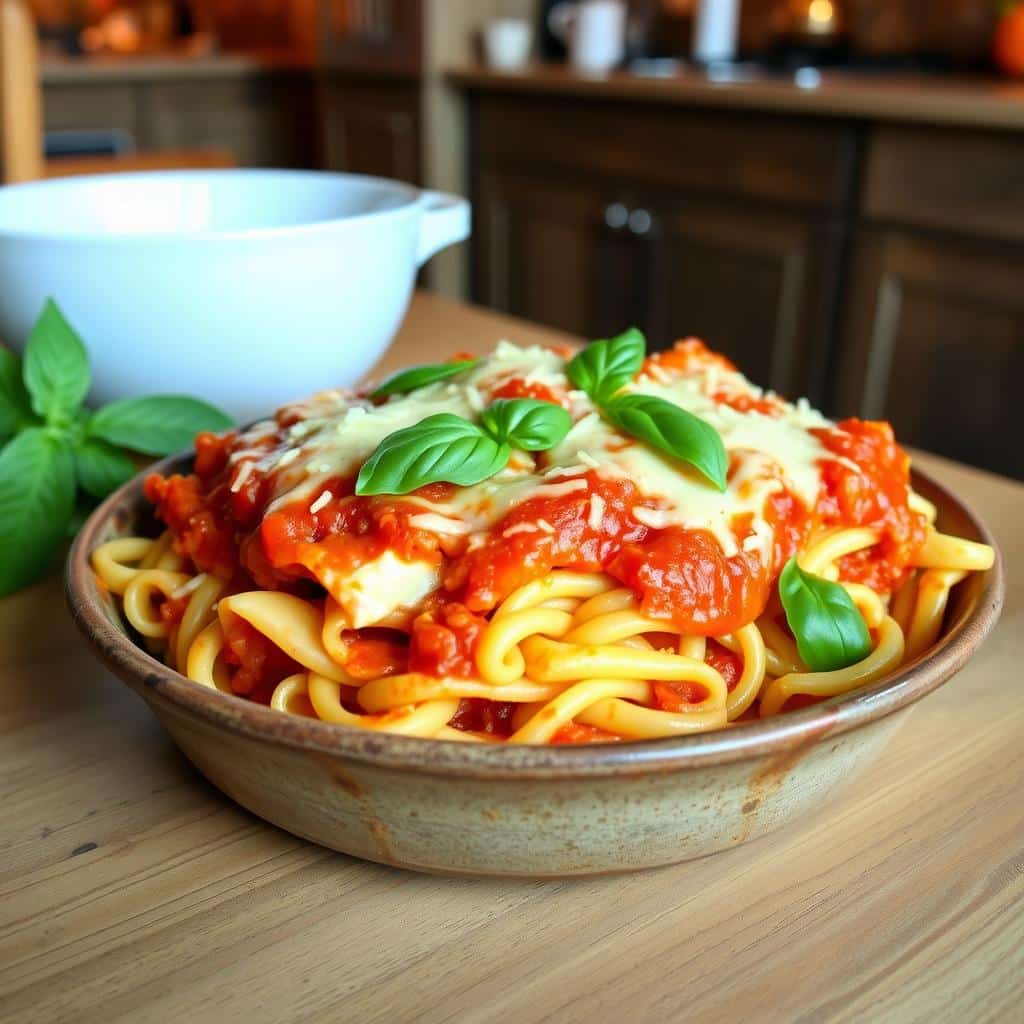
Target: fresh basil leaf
x,y
158,424
56,366
440,448
37,495
673,430
15,406
526,423
84,507
830,632
605,366
101,468
420,376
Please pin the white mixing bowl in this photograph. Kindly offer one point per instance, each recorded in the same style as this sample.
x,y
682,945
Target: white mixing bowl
x,y
248,288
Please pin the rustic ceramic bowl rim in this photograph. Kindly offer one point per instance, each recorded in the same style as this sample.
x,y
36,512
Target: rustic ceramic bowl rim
x,y
767,737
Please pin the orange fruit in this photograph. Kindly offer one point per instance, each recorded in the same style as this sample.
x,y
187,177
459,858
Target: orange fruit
x,y
1008,41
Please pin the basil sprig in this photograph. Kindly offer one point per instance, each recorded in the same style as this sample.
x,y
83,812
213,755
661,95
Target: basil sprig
x,y
830,631
603,367
442,448
674,430
526,423
446,448
53,448
403,382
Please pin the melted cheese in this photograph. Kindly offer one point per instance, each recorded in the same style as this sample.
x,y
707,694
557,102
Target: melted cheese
x,y
338,431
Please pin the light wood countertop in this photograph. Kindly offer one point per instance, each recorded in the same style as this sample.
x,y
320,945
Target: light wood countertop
x,y
978,102
130,890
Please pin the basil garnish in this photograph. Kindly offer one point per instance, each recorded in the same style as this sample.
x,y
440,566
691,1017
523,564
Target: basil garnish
x,y
673,430
59,447
605,366
526,423
830,632
420,376
37,497
156,425
442,448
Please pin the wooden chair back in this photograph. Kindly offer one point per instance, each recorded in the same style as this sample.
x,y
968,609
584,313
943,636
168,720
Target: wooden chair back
x,y
21,115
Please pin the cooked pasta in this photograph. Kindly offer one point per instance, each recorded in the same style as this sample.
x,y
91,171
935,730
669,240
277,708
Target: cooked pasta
x,y
592,590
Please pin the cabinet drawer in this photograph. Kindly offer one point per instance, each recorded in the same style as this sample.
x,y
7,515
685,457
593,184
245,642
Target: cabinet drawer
x,y
964,181
742,154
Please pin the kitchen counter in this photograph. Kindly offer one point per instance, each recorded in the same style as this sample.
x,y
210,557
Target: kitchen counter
x,y
925,99
132,890
168,67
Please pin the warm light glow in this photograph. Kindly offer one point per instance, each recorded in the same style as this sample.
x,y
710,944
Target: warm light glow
x,y
821,11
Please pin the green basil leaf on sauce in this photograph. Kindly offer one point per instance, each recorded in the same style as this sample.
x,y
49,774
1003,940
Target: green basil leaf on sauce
x,y
156,424
674,430
420,376
605,366
15,405
830,632
442,448
526,423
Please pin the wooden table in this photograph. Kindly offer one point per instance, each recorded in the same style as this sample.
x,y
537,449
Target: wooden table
x,y
132,890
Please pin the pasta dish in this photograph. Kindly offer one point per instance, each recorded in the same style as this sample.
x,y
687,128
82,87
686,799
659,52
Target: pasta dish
x,y
542,547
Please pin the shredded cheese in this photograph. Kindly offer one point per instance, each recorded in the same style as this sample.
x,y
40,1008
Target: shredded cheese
x,y
433,523
322,502
243,474
596,515
189,586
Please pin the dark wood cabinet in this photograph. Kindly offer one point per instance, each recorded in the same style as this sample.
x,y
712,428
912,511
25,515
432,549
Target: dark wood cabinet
x,y
876,267
593,217
934,342
372,126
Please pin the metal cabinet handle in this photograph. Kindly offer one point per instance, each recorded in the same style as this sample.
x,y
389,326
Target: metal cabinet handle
x,y
616,216
640,221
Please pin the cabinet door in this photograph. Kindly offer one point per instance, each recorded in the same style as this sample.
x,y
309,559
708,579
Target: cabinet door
x,y
753,284
372,128
935,344
545,252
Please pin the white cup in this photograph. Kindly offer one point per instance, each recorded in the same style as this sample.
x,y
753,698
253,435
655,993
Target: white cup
x,y
593,30
507,43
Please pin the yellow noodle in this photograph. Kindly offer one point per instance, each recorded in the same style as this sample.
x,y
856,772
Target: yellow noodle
x,y
636,722
424,720
923,506
413,688
901,607
142,599
749,684
198,615
611,601
290,623
929,608
942,551
204,664
118,562
498,657
830,547
884,658
555,584
571,702
292,695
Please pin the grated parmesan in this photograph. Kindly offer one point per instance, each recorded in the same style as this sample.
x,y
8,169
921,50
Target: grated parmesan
x,y
434,523
545,526
521,528
655,518
566,471
560,490
188,587
588,460
321,502
596,516
289,456
243,474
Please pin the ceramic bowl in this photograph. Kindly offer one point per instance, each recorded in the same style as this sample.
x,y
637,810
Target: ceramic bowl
x,y
301,278
528,811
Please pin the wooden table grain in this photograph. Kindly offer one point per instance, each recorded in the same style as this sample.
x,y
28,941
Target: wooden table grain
x,y
130,890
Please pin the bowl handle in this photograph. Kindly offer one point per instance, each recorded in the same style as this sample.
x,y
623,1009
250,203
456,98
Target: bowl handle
x,y
444,222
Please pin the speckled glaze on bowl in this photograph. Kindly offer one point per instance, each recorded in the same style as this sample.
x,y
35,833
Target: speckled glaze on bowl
x,y
528,811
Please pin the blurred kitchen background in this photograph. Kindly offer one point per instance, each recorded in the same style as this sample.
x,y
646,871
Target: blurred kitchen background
x,y
830,192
